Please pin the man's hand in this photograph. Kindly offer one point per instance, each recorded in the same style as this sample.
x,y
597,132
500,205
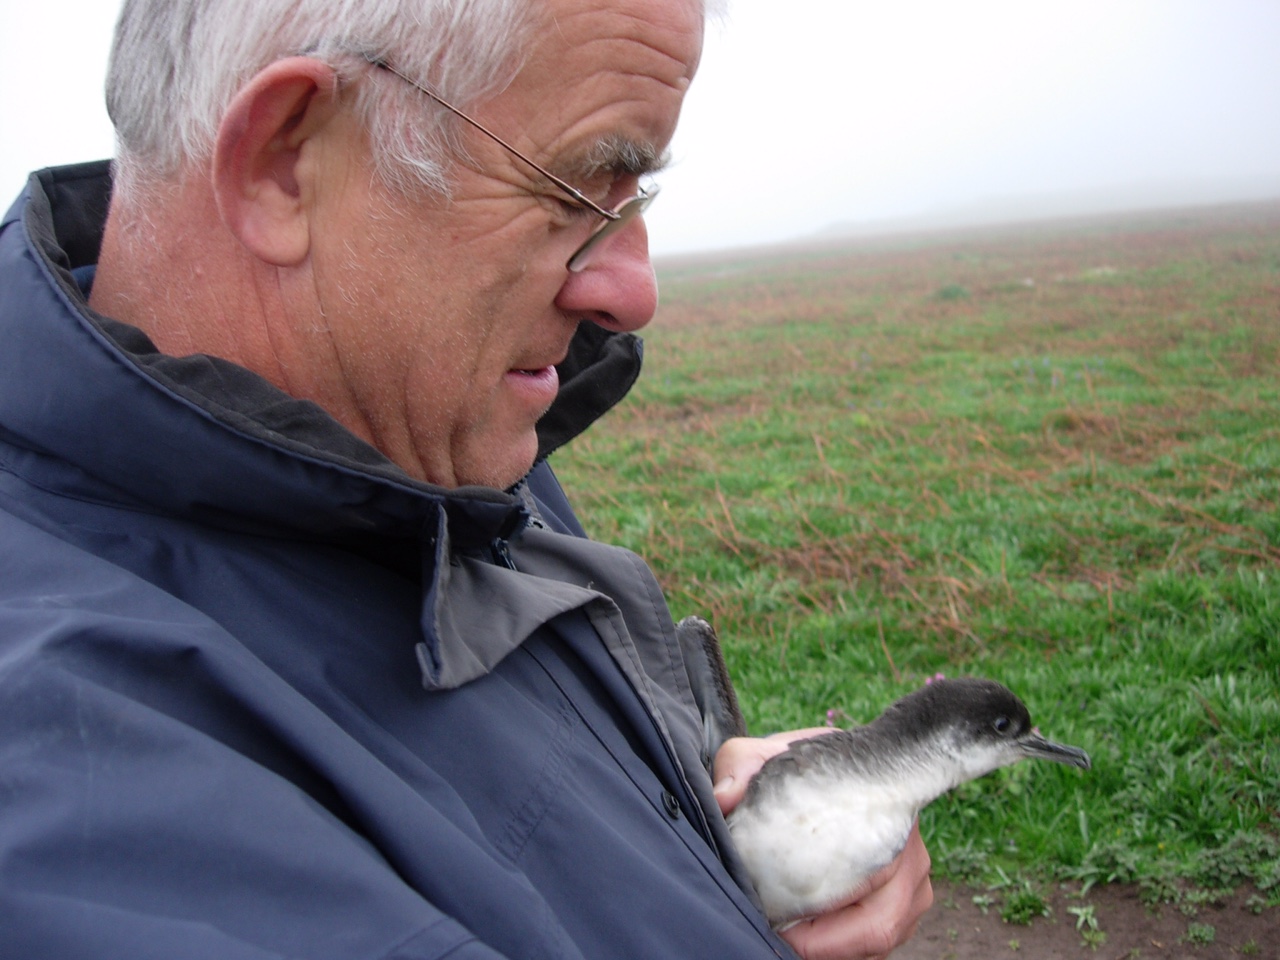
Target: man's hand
x,y
875,920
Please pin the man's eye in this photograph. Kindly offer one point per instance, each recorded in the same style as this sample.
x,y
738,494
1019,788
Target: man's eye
x,y
572,209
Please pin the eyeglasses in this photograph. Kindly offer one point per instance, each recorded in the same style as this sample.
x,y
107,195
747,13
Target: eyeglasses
x,y
613,220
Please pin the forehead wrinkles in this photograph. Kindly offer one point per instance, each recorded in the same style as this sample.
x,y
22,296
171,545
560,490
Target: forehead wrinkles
x,y
611,77
670,29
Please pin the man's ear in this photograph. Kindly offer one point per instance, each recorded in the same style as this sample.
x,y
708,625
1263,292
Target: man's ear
x,y
260,182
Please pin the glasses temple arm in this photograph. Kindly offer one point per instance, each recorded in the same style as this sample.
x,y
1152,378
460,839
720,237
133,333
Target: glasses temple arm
x,y
570,190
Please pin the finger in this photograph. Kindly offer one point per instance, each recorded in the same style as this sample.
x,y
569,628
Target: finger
x,y
881,921
740,758
736,762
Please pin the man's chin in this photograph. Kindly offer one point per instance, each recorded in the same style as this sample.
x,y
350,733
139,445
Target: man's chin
x,y
498,464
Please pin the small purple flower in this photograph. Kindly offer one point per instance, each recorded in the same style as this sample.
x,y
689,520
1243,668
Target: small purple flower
x,y
936,676
837,718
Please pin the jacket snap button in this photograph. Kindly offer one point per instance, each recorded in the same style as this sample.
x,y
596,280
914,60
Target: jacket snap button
x,y
671,804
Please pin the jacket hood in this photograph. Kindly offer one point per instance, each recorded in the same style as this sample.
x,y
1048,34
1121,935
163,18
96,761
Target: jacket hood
x,y
220,444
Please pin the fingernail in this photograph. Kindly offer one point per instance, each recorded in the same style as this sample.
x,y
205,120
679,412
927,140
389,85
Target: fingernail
x,y
723,785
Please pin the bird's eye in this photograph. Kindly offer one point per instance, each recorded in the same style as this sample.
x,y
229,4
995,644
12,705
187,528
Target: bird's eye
x,y
1001,724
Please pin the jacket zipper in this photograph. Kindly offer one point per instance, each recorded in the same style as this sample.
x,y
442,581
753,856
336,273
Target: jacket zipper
x,y
501,551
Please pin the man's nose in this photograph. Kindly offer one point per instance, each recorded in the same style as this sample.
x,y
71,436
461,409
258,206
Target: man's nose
x,y
617,289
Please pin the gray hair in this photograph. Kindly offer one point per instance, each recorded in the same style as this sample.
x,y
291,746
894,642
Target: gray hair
x,y
176,64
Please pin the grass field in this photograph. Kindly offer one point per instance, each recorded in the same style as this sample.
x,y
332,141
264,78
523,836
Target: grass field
x,y
1049,456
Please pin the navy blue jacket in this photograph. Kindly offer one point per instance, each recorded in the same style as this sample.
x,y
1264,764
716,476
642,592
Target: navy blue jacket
x,y
263,695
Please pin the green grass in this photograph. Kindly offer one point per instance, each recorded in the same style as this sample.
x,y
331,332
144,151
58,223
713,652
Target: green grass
x,y
1066,479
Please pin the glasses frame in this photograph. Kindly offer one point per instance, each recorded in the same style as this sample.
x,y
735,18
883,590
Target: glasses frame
x,y
612,220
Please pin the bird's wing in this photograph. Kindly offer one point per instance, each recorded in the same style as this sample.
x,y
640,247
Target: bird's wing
x,y
712,688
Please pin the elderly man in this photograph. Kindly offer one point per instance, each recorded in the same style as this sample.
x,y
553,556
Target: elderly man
x,y
302,650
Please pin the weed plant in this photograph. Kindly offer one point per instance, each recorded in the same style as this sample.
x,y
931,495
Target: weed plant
x,y
1066,480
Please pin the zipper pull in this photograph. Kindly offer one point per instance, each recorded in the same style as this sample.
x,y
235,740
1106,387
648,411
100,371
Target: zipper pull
x,y
501,551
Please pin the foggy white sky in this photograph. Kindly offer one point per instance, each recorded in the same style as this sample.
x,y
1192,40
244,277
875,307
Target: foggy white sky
x,y
815,112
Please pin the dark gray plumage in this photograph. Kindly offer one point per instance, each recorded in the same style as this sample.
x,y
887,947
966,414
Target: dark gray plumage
x,y
712,688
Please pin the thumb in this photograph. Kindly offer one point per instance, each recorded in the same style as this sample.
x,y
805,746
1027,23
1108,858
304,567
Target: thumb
x,y
737,761
740,758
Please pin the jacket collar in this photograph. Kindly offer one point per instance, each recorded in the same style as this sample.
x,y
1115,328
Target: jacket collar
x,y
225,429
200,439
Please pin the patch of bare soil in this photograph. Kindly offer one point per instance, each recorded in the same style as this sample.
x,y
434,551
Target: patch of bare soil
x,y
957,929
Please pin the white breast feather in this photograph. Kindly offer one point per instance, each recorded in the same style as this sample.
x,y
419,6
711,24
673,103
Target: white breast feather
x,y
819,837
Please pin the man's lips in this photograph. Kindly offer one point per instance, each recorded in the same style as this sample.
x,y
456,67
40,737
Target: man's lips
x,y
536,387
544,366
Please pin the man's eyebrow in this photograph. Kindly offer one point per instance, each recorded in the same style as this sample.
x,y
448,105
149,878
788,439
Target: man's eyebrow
x,y
617,156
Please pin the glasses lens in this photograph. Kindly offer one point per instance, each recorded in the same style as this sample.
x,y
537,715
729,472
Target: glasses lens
x,y
627,211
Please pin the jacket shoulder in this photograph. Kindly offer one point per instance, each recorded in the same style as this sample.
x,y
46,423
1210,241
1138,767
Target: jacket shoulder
x,y
131,726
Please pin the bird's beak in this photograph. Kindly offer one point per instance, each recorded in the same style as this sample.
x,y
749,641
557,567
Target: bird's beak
x,y
1037,746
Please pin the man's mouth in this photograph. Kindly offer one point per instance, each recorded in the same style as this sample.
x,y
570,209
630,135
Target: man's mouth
x,y
538,386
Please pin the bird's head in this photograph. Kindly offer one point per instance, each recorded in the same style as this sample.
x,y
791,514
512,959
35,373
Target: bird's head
x,y
986,724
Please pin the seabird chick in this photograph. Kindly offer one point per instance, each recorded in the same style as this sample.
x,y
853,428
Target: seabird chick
x,y
821,818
